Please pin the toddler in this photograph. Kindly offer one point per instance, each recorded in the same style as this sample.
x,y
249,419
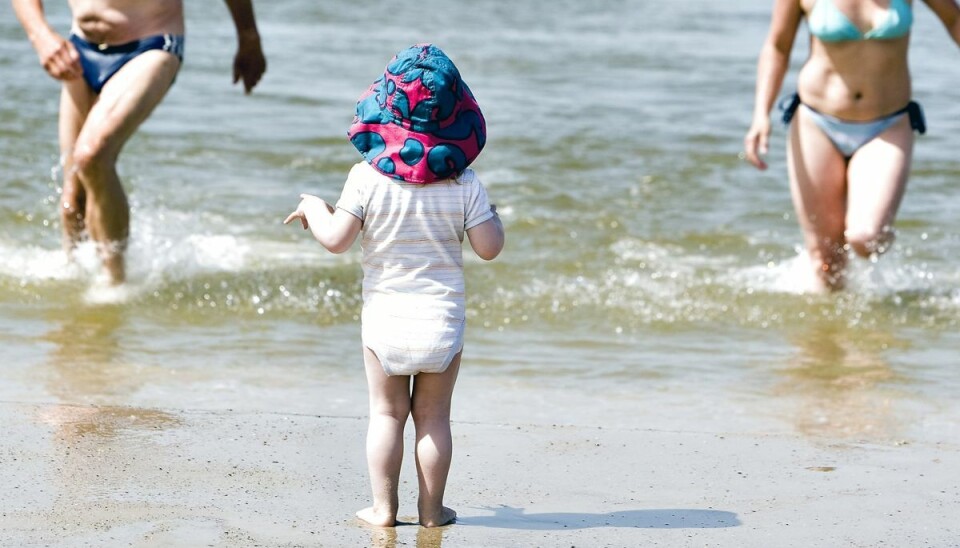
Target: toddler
x,y
418,128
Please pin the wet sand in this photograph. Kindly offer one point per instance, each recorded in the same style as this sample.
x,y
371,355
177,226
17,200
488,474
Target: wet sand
x,y
640,370
79,475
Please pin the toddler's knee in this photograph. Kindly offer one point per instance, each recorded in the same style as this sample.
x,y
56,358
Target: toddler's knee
x,y
426,414
868,241
393,411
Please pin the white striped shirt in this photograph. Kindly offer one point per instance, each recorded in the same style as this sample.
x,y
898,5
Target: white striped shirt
x,y
412,242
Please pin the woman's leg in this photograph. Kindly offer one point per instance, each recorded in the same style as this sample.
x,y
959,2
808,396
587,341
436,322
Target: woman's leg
x,y
876,180
432,396
389,409
818,185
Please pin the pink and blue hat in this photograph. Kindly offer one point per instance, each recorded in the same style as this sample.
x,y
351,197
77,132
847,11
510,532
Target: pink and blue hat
x,y
419,122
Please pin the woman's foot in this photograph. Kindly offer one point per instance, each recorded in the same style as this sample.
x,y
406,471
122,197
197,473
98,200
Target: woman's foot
x,y
446,516
380,519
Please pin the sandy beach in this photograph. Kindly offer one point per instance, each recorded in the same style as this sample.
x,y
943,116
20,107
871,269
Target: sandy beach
x,y
640,366
78,475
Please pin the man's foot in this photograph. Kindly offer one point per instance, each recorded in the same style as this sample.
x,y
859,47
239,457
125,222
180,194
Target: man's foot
x,y
380,519
446,516
113,264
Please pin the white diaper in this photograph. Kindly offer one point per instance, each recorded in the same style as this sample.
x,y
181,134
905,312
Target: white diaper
x,y
407,346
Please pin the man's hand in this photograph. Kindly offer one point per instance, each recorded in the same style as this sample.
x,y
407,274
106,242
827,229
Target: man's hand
x,y
59,57
249,64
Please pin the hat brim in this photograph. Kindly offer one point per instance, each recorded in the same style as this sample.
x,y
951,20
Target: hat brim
x,y
423,157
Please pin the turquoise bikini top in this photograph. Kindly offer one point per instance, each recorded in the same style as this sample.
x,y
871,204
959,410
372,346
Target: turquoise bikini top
x,y
829,24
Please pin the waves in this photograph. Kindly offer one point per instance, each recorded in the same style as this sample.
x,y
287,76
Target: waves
x,y
627,285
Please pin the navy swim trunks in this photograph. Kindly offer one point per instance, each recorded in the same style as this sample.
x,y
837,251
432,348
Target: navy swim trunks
x,y
100,62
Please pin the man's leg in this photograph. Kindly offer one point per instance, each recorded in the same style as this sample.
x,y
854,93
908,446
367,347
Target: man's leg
x,y
124,103
76,100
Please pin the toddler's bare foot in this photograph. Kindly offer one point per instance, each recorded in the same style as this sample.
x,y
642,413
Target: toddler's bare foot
x,y
380,519
446,516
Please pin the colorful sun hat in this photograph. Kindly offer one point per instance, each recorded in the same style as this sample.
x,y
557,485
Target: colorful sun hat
x,y
419,122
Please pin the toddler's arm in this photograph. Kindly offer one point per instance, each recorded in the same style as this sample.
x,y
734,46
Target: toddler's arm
x,y
334,228
487,238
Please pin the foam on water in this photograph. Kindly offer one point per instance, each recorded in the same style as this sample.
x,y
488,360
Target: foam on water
x,y
158,252
652,282
645,282
31,264
875,277
101,293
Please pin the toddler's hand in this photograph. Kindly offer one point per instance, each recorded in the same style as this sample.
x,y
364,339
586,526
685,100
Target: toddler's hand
x,y
301,212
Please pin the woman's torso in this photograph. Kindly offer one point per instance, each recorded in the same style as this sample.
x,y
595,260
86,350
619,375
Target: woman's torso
x,y
863,78
120,21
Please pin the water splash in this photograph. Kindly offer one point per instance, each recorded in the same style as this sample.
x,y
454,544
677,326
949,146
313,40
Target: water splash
x,y
30,264
629,284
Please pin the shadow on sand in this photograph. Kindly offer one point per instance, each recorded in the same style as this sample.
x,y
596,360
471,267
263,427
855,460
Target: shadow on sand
x,y
506,517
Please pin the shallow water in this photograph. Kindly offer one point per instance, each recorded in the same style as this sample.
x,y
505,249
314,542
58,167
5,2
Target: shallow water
x,y
651,279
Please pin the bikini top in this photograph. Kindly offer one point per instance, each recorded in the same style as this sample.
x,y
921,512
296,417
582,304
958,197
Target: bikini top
x,y
829,24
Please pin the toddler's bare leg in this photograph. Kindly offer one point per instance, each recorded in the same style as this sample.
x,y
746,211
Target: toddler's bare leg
x,y
432,394
389,409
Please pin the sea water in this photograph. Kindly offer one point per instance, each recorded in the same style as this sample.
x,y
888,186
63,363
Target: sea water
x,y
651,279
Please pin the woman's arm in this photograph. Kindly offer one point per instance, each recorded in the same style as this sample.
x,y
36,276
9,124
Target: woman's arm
x,y
334,228
487,238
57,55
949,13
771,68
249,63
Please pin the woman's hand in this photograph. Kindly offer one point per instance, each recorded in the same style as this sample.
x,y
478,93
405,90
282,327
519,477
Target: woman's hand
x,y
755,143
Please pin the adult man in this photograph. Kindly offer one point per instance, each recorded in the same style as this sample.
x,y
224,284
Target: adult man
x,y
118,63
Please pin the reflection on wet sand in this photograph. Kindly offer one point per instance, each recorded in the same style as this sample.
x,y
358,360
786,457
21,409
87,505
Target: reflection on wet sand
x,y
86,363
844,385
105,422
383,537
95,437
430,538
89,376
386,537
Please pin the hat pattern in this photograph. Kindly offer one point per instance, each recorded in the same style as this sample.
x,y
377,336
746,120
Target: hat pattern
x,y
419,122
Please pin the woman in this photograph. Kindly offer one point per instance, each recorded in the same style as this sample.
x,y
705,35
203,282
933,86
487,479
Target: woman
x,y
853,121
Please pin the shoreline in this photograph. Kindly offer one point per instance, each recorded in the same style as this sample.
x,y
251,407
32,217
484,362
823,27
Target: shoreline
x,y
88,475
